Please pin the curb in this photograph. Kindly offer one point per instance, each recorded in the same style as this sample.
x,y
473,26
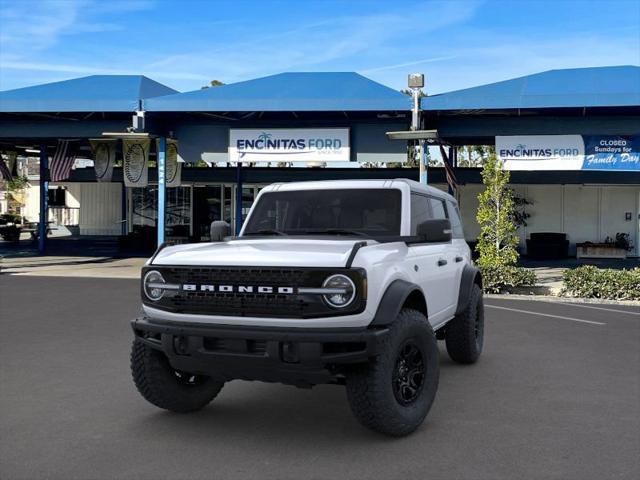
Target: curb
x,y
556,299
533,290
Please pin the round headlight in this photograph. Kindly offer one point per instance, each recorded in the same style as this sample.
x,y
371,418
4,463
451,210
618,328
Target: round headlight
x,y
344,291
152,285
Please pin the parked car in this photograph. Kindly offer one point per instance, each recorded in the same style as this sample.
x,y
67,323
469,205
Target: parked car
x,y
342,282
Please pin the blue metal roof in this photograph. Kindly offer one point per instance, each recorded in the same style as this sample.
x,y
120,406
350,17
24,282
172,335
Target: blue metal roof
x,y
299,92
96,93
577,87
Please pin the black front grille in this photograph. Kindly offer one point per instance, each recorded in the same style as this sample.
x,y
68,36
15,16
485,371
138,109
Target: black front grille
x,y
240,276
252,304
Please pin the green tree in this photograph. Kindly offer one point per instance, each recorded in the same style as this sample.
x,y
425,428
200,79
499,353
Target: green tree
x,y
474,155
213,83
497,241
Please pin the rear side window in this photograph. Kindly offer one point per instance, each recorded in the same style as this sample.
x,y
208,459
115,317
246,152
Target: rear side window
x,y
437,208
456,223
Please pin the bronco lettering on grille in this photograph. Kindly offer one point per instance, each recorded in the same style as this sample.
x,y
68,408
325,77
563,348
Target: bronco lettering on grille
x,y
193,287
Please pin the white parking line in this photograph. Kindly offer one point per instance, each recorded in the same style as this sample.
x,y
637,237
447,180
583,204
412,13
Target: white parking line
x,y
571,304
530,312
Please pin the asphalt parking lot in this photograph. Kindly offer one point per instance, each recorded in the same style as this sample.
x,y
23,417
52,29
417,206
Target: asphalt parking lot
x,y
555,395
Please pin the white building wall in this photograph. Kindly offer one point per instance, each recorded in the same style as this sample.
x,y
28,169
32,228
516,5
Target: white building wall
x,y
581,214
32,202
100,208
586,213
615,203
73,195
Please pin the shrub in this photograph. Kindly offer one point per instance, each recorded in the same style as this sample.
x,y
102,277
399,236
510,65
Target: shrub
x,y
496,278
592,282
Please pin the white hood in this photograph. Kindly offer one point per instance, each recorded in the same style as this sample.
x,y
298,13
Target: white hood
x,y
268,252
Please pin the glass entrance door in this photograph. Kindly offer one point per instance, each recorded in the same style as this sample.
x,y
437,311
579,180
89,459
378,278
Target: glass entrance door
x,y
216,202
208,205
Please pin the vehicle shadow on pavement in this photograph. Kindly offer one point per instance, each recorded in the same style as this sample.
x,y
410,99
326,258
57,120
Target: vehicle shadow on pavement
x,y
268,411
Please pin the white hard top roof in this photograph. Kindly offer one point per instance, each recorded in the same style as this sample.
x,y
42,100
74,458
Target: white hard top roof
x,y
346,184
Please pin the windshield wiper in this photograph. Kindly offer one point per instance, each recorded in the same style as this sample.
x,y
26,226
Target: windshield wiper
x,y
336,231
266,231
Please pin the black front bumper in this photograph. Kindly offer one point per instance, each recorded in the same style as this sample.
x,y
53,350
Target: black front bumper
x,y
294,356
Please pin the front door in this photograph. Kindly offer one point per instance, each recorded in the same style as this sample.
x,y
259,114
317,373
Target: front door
x,y
208,205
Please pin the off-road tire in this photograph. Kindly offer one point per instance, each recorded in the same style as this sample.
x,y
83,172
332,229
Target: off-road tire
x,y
371,388
166,388
464,335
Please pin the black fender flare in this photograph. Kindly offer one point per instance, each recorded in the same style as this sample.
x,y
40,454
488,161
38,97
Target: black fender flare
x,y
470,276
392,301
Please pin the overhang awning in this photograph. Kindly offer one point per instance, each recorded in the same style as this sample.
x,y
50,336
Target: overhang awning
x,y
617,86
96,93
289,92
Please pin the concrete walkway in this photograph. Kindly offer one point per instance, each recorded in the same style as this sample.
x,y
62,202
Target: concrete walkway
x,y
55,266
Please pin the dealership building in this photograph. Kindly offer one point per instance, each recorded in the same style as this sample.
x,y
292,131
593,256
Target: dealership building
x,y
570,137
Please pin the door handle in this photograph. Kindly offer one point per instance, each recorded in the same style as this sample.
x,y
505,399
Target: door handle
x,y
442,262
459,259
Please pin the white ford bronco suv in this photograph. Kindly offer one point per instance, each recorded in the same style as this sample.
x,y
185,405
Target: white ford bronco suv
x,y
343,282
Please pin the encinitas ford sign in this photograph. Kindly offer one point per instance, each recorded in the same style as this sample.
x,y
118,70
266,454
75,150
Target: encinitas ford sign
x,y
289,145
541,152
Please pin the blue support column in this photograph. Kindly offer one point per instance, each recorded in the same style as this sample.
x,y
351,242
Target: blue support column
x,y
424,162
238,197
44,200
162,190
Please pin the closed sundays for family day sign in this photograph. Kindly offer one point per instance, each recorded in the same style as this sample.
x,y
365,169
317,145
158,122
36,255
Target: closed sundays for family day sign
x,y
569,152
289,145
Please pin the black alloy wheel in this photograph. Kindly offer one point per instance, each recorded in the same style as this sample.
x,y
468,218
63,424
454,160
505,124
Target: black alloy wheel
x,y
408,374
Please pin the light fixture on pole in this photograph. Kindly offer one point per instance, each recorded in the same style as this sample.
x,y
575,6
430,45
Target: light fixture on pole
x,y
416,83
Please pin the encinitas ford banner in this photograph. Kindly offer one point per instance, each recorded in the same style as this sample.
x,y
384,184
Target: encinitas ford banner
x,y
541,152
289,145
569,152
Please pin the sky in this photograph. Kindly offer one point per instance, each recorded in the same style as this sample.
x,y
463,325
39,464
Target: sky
x,y
185,44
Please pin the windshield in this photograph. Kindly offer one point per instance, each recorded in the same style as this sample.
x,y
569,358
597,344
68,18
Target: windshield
x,y
359,212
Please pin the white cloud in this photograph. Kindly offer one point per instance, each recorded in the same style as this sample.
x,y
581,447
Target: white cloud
x,y
88,70
31,27
499,58
408,64
314,46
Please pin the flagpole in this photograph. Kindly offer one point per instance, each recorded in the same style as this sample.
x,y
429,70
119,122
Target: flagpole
x,y
44,199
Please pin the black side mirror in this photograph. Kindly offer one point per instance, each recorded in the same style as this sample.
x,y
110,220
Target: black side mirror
x,y
434,231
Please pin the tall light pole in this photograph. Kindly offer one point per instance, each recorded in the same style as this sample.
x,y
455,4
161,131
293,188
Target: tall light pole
x,y
416,83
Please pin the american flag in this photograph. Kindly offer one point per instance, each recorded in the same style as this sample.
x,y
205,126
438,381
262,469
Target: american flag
x,y
5,173
452,181
62,160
